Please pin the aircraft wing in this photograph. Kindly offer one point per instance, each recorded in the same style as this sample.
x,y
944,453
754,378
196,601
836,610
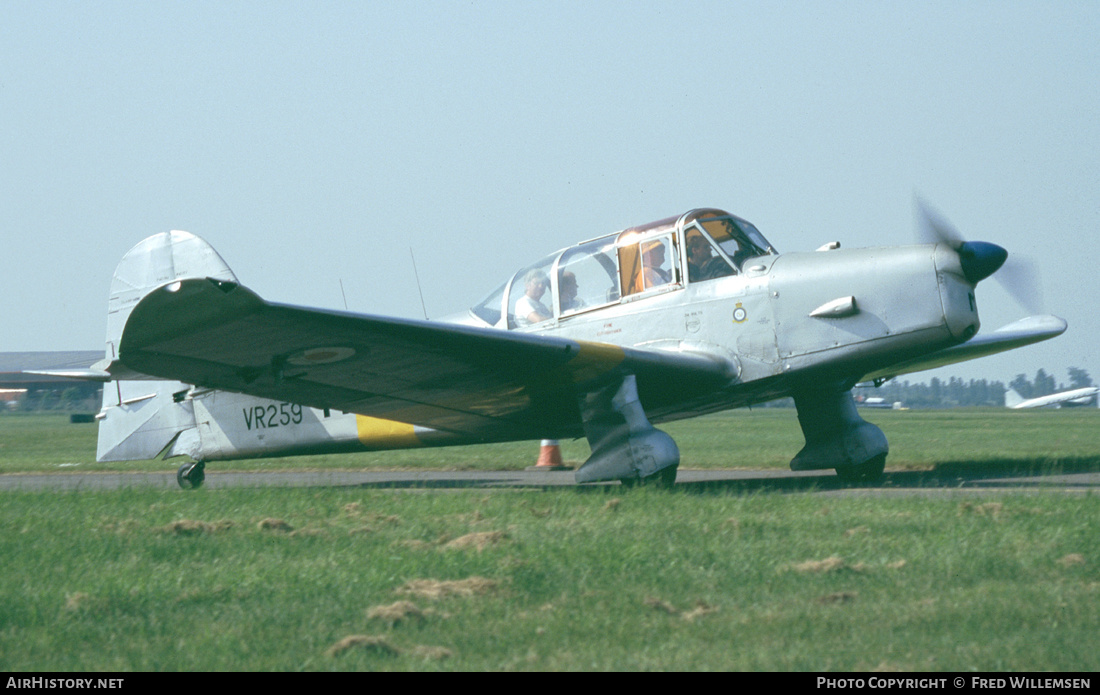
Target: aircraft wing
x,y
1032,329
482,382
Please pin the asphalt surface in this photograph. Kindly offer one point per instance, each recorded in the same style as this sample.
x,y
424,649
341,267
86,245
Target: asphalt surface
x,y
946,480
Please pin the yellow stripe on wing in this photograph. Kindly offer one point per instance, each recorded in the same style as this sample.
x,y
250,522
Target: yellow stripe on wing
x,y
593,360
388,434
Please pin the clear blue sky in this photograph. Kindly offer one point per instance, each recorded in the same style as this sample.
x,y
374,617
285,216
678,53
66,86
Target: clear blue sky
x,y
316,142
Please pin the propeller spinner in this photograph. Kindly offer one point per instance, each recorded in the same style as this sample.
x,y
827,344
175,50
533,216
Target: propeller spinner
x,y
981,259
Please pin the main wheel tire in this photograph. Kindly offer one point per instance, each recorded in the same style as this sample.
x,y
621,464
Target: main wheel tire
x,y
664,479
867,472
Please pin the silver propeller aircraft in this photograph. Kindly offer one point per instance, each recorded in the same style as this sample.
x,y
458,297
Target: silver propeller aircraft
x,y
1071,398
684,316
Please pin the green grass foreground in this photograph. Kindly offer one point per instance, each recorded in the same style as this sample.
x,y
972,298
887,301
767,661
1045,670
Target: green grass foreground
x,y
568,578
590,578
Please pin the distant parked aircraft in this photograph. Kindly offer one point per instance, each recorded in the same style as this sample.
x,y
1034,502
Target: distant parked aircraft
x,y
877,402
1082,396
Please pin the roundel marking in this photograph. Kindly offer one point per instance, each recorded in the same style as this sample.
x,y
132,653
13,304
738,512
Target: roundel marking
x,y
320,355
739,314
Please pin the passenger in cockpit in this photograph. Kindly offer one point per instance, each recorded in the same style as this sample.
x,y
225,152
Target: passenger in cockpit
x,y
567,292
529,308
653,257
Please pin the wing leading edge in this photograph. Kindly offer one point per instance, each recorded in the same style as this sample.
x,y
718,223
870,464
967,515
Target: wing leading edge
x,y
484,383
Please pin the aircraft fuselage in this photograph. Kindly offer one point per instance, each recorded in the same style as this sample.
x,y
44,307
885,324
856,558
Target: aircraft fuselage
x,y
684,316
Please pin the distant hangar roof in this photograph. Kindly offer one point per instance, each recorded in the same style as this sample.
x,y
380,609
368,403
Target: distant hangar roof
x,y
14,364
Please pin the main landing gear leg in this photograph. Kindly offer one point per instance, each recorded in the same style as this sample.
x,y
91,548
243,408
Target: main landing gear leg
x,y
190,476
625,446
837,437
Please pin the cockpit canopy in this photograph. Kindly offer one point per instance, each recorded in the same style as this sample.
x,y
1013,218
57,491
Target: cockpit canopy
x,y
663,256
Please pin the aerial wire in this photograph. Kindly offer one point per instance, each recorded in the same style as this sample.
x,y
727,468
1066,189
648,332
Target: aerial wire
x,y
418,289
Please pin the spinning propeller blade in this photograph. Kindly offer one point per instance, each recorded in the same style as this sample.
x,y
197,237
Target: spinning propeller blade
x,y
980,259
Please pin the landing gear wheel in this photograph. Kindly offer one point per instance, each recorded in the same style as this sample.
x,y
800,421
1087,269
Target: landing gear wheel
x,y
663,479
867,472
191,475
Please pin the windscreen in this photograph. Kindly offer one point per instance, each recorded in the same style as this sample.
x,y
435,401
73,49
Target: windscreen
x,y
736,237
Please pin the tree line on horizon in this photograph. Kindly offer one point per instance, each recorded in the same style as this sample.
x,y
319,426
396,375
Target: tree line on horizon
x,y
955,392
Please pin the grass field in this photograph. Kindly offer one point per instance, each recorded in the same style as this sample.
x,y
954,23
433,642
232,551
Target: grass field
x,y
572,578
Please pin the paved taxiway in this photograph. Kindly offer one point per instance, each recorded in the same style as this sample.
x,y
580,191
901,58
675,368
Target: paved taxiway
x,y
814,482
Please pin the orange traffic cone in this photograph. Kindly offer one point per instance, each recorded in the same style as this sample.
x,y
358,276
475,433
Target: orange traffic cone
x,y
549,457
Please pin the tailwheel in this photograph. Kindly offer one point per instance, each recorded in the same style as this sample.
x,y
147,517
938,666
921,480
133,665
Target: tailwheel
x,y
662,479
867,472
190,476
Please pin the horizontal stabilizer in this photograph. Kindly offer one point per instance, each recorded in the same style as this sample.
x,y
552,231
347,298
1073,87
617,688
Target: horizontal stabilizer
x,y
80,374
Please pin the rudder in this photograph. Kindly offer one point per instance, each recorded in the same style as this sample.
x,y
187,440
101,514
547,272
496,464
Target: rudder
x,y
154,262
143,417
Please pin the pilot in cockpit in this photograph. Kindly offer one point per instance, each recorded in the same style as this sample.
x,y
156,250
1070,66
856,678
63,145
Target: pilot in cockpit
x,y
529,308
703,264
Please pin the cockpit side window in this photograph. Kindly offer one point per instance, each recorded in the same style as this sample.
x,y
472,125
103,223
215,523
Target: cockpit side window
x,y
529,297
630,269
488,309
647,264
703,260
588,277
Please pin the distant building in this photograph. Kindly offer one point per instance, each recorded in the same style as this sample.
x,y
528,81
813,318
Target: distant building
x,y
16,385
9,398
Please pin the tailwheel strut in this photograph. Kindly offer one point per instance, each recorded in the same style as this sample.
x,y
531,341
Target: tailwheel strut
x,y
190,476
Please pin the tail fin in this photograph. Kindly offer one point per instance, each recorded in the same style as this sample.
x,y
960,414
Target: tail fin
x,y
154,262
143,418
1012,399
